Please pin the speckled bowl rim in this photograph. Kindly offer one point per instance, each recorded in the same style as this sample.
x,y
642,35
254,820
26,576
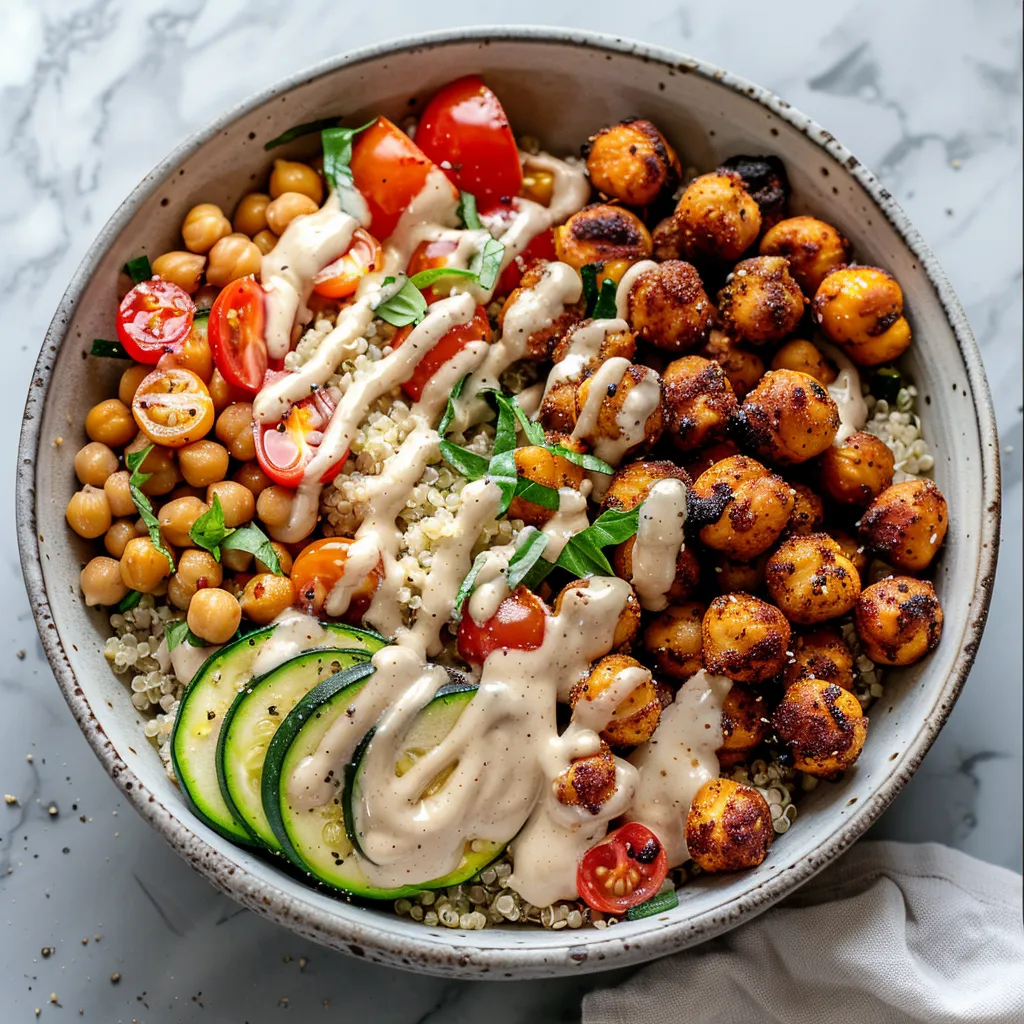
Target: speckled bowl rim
x,y
452,956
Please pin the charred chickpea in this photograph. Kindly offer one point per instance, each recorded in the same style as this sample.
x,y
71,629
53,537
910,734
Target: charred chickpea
x,y
704,459
636,715
861,310
265,240
804,357
760,302
185,269
266,596
744,638
637,394
852,548
160,464
823,726
632,483
291,176
110,422
672,640
764,177
214,615
814,249
251,475
699,402
821,654
743,367
717,217
204,226
541,466
667,238
88,512
196,569
130,381
728,827
811,580
628,625
668,307
234,256
119,497
906,524
744,725
613,343
236,500
143,566
602,234
251,214
789,417
898,620
808,513
731,575
94,463
588,782
540,343
686,579
203,462
177,518
740,507
285,208
234,430
632,161
115,540
558,409
101,582
857,470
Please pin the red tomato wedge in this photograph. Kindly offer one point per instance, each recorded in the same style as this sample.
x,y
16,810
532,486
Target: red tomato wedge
x,y
427,256
390,170
236,334
518,624
341,278
464,130
626,868
285,449
541,247
154,318
476,329
320,566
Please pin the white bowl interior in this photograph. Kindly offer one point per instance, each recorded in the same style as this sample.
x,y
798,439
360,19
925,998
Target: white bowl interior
x,y
560,92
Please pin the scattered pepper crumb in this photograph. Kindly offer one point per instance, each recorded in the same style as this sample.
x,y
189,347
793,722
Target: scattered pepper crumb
x,y
21,657
46,951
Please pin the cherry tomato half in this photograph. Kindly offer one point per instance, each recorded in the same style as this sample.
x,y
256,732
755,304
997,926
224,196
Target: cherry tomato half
x,y
541,247
318,569
450,345
465,126
236,334
285,449
626,868
518,624
390,170
154,318
173,407
341,278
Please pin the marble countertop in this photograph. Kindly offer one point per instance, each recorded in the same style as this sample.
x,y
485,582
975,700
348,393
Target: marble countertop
x,y
98,917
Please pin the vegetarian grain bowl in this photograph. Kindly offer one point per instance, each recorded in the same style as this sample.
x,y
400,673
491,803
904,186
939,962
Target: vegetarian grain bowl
x,y
508,535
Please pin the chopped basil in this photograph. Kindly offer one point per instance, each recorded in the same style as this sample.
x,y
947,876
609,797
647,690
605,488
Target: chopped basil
x,y
600,305
589,275
467,211
129,601
134,460
539,494
252,539
462,460
177,633
337,143
657,904
139,269
466,587
502,471
591,462
427,277
301,129
110,349
505,427
606,308
406,306
208,531
583,554
531,546
886,383
449,411
486,264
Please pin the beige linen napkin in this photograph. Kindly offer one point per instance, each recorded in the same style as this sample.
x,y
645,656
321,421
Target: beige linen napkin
x,y
890,933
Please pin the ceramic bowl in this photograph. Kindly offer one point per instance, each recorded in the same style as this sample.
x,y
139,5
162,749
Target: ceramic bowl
x,y
559,86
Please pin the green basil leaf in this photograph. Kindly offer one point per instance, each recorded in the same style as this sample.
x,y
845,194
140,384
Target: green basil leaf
x,y
539,494
657,904
110,349
534,431
406,306
579,558
486,264
505,427
139,269
462,460
252,539
425,278
526,556
502,471
589,276
177,633
591,462
467,211
129,601
605,308
538,573
337,143
449,410
301,129
209,530
466,586
133,461
583,554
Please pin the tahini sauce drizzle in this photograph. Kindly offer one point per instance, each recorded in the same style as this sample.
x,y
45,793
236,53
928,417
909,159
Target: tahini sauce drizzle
x,y
659,542
583,352
629,278
846,393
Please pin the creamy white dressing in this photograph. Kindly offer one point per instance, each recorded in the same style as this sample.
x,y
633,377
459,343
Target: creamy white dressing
x,y
846,392
583,351
186,660
628,279
659,542
294,633
491,586
568,520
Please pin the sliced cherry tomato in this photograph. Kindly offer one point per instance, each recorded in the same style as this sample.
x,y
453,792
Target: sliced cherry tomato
x,y
237,321
154,318
341,278
626,868
390,170
541,247
427,256
518,624
173,407
464,129
450,345
318,569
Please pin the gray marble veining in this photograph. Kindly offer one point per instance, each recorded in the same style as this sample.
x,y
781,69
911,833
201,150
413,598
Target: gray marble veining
x,y
94,94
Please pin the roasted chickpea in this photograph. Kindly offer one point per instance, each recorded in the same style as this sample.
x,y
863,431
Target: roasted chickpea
x,y
116,538
717,217
742,365
760,302
284,559
636,715
813,248
214,615
234,429
728,827
203,462
119,497
632,161
852,548
266,596
540,342
668,307
602,234
789,417
588,782
857,470
744,638
94,463
204,226
130,381
234,256
823,725
703,460
143,566
667,238
744,725
673,640
764,177
177,518
251,214
861,310
101,582
110,422
811,579
88,512
808,513
906,524
898,620
285,208
804,357
274,506
821,654
223,393
699,402
740,507
625,418
540,466
731,575
185,269
265,240
558,409
613,343
160,463
290,176
236,500
687,576
196,570
628,625
632,483
251,475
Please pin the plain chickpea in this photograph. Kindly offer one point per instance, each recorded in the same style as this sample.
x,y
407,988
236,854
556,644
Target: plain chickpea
x,y
857,470
291,176
251,475
235,430
115,540
274,505
204,226
88,512
130,381
266,596
185,269
223,393
111,422
94,463
203,463
232,257
284,559
265,240
251,214
286,207
196,570
813,248
237,501
160,463
143,567
804,357
214,615
119,497
101,582
177,518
